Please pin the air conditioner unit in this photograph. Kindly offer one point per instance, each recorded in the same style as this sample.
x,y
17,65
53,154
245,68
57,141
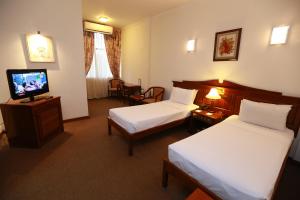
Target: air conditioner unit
x,y
94,27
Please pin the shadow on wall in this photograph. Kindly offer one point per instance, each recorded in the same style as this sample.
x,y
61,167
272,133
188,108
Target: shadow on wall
x,y
37,65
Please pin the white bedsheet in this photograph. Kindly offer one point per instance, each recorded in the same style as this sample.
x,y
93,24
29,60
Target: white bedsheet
x,y
234,159
142,117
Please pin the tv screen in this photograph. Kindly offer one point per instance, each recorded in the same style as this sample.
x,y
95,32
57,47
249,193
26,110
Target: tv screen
x,y
27,82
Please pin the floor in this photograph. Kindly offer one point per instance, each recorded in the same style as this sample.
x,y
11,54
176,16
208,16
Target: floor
x,y
86,163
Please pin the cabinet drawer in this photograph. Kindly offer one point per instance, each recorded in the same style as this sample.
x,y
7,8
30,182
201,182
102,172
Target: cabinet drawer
x,y
48,121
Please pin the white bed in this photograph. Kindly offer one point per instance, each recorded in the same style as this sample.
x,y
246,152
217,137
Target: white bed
x,y
142,117
234,159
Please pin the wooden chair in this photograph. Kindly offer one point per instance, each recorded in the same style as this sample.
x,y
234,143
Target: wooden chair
x,y
115,87
153,94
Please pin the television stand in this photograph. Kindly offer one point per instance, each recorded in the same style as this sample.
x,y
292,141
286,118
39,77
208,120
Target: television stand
x,y
32,124
35,98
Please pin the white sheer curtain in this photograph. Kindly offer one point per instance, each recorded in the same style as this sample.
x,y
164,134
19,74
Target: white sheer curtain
x,y
99,74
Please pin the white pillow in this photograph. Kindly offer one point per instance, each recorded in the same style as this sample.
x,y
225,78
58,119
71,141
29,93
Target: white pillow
x,y
183,96
264,114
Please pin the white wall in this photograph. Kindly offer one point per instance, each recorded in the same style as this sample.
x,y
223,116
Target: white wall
x,y
136,52
259,65
62,20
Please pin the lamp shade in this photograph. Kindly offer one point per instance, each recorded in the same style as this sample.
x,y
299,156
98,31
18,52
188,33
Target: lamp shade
x,y
213,94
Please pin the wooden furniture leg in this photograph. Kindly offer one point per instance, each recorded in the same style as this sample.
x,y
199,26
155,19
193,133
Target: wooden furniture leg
x,y
108,126
130,147
165,176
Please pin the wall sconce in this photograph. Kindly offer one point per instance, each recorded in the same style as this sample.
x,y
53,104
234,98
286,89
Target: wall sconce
x,y
190,46
40,48
279,35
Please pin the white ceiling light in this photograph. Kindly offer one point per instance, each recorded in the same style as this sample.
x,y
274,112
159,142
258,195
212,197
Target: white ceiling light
x,y
104,19
279,35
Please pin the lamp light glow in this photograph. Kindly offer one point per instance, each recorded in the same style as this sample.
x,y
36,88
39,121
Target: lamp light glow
x,y
104,19
213,94
190,45
279,35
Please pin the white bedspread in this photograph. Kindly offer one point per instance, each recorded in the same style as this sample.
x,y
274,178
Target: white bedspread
x,y
234,159
142,117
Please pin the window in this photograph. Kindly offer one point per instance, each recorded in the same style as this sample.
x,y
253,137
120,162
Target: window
x,y
99,74
100,67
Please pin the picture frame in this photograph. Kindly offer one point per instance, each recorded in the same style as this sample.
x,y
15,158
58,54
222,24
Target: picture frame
x,y
40,48
227,45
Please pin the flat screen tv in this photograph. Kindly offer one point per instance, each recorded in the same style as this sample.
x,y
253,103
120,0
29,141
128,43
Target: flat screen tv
x,y
24,83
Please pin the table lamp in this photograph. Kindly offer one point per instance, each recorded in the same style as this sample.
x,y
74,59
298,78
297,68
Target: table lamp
x,y
213,95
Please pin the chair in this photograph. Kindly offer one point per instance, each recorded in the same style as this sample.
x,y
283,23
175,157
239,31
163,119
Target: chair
x,y
153,94
114,87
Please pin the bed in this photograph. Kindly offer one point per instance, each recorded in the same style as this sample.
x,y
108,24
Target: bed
x,y
234,159
136,122
228,167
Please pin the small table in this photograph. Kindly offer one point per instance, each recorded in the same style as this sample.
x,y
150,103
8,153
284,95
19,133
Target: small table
x,y
136,99
131,89
205,119
199,195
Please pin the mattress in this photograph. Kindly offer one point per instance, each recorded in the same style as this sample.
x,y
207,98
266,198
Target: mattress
x,y
142,117
234,159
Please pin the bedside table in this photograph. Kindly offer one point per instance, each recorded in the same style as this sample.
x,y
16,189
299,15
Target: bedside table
x,y
204,119
198,194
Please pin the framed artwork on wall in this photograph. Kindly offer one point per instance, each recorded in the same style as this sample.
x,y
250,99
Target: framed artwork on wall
x,y
40,48
227,45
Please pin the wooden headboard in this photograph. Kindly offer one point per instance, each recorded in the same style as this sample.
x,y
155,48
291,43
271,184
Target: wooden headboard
x,y
234,93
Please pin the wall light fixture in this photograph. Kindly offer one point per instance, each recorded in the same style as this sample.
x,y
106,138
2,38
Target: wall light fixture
x,y
279,35
190,46
40,48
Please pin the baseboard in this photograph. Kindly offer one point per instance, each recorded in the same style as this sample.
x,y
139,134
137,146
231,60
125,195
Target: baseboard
x,y
76,119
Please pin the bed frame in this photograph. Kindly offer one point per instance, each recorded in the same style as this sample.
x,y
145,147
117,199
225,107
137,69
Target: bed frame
x,y
132,138
230,103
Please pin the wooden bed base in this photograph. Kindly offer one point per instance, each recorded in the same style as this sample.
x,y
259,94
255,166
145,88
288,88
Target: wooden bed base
x,y
170,168
133,137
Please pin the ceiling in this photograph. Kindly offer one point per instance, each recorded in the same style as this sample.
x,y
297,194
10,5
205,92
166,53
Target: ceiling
x,y
124,12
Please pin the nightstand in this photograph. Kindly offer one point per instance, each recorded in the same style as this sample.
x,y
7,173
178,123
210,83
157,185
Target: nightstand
x,y
201,119
198,194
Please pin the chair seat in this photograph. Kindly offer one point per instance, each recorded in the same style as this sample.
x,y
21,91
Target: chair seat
x,y
149,100
137,97
113,89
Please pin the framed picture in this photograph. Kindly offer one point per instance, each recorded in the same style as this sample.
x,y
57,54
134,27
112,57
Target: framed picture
x,y
40,48
227,44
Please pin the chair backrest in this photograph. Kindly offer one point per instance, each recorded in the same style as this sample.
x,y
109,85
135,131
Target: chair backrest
x,y
155,92
115,83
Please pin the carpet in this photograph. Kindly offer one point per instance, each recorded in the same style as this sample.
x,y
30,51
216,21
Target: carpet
x,y
85,163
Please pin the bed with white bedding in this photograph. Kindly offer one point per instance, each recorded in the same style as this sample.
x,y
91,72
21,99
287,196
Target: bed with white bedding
x,y
242,157
234,159
142,117
136,122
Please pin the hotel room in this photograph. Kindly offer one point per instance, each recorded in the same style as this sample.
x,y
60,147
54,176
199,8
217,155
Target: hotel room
x,y
149,99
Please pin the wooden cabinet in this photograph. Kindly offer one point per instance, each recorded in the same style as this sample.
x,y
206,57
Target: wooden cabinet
x,y
32,124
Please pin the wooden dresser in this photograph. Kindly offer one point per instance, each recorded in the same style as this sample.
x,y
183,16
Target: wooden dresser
x,y
32,124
